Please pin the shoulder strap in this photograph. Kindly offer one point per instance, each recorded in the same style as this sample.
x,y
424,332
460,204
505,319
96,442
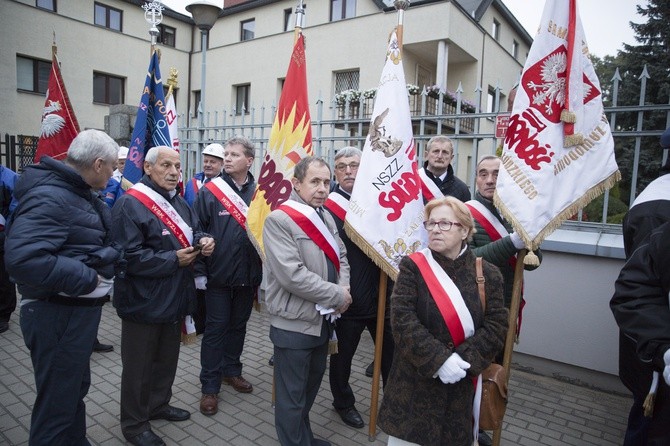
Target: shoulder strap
x,y
480,282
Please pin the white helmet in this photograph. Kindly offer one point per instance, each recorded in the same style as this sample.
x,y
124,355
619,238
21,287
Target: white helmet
x,y
214,150
123,152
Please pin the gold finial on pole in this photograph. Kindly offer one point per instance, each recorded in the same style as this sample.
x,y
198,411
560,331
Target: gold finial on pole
x,y
172,81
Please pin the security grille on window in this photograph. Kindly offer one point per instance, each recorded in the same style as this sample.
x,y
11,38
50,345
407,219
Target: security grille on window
x,y
108,89
32,74
108,17
242,99
247,29
346,80
167,35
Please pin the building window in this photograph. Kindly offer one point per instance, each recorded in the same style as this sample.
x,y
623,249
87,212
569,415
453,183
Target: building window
x,y
495,31
515,49
247,28
108,17
167,35
49,5
342,9
242,99
108,89
196,101
346,80
32,74
288,23
491,103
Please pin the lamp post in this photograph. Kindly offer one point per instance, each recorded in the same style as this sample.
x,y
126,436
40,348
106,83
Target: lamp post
x,y
204,15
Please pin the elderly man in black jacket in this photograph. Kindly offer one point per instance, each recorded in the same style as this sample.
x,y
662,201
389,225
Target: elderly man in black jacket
x,y
59,253
161,237
230,276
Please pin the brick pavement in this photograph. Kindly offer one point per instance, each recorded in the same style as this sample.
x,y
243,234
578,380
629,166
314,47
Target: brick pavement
x,y
541,410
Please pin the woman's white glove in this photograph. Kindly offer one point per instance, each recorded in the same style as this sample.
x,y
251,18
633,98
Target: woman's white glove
x,y
666,370
453,369
201,283
516,241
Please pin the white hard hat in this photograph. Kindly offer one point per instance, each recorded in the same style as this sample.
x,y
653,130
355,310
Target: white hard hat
x,y
123,152
214,150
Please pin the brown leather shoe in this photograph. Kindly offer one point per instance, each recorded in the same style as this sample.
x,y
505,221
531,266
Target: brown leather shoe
x,y
240,384
209,404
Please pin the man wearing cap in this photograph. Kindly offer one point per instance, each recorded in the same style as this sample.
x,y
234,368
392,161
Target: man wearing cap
x,y
232,274
161,238
649,211
212,164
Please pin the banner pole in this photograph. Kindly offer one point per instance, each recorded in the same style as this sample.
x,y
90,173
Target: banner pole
x,y
379,342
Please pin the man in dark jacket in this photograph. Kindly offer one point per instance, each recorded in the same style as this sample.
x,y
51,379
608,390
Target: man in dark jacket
x,y
649,210
7,205
159,233
232,274
437,172
59,252
641,309
362,312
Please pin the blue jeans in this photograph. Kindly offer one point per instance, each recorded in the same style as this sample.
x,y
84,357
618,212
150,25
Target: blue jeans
x,y
60,339
228,310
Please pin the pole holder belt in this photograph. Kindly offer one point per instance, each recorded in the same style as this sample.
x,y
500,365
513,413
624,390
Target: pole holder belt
x,y
77,301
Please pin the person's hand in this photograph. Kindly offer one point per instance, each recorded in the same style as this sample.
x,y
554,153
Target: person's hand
x,y
453,369
207,245
186,256
666,370
347,301
516,240
201,283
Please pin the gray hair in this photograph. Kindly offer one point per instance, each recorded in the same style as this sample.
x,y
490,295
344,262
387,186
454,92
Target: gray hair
x,y
90,145
348,151
152,155
440,139
486,158
249,148
300,169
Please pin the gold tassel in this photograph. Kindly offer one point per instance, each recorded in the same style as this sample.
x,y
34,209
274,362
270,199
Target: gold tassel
x,y
568,116
257,305
531,259
188,338
573,140
332,344
649,401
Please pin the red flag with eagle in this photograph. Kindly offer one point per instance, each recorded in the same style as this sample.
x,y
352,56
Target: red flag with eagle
x,y
558,153
59,124
290,141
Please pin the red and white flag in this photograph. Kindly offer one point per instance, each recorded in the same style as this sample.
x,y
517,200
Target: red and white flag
x,y
171,118
385,213
59,124
558,153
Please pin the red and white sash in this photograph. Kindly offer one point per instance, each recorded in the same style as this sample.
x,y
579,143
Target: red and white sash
x,y
196,185
337,204
165,212
428,187
230,200
455,313
308,220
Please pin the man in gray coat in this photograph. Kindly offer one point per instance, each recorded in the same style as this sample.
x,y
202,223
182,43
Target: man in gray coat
x,y
308,276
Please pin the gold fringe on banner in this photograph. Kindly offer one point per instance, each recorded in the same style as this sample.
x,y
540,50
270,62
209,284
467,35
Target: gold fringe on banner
x,y
573,140
370,251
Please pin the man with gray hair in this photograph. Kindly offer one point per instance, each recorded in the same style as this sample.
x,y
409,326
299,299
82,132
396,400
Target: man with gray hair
x,y
231,275
161,238
59,252
364,294
437,174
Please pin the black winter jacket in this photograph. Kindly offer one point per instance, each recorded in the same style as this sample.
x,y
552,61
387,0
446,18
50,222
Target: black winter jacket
x,y
235,261
58,241
153,288
451,185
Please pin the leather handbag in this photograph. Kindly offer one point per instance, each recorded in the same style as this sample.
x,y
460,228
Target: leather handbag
x,y
494,377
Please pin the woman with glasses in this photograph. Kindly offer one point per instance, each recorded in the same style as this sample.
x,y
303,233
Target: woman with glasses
x,y
443,337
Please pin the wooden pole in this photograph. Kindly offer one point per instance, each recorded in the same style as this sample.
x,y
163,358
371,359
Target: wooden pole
x,y
379,342
511,329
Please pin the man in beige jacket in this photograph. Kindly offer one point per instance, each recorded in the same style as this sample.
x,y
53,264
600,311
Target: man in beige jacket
x,y
308,286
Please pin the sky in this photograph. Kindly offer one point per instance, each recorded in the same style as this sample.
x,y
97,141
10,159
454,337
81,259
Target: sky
x,y
606,22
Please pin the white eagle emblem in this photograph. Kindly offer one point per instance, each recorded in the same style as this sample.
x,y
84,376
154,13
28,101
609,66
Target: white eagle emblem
x,y
51,122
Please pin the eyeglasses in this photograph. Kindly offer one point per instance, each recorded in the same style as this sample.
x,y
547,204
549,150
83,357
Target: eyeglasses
x,y
343,167
441,225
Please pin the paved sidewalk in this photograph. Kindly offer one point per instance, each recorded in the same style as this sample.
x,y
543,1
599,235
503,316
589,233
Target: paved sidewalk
x,y
541,410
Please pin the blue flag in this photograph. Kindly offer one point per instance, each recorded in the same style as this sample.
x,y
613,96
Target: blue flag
x,y
151,127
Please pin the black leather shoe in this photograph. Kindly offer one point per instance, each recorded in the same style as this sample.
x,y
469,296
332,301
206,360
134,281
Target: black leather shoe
x,y
102,348
484,439
271,361
172,413
147,438
351,417
370,370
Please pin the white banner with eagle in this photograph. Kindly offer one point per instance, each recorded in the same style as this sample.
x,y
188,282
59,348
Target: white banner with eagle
x,y
385,213
558,153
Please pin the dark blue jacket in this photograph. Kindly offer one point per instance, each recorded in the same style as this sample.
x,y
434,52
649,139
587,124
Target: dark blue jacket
x,y
153,288
7,201
58,240
190,191
235,261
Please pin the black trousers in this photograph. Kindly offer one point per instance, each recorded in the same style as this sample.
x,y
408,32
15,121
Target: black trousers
x,y
348,336
149,354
